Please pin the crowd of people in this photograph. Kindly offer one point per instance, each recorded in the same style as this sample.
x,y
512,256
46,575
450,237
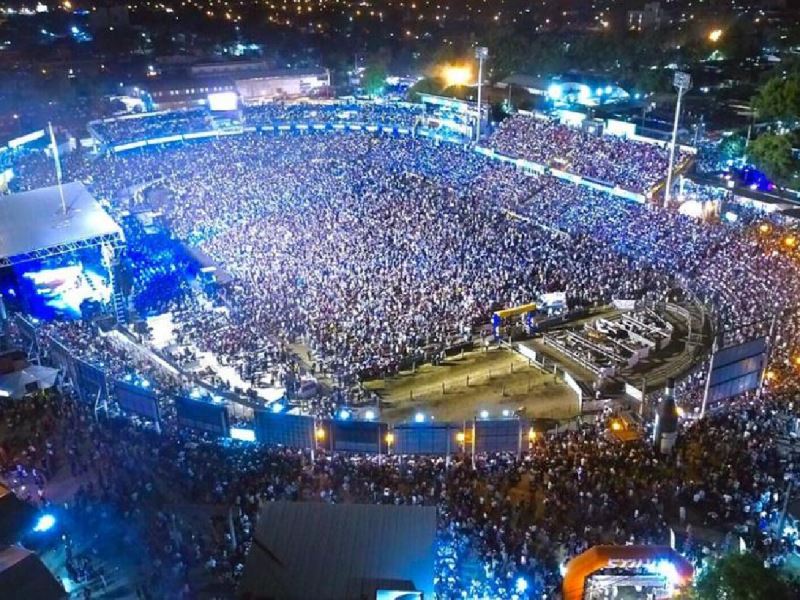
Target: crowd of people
x,y
503,518
632,165
117,131
373,251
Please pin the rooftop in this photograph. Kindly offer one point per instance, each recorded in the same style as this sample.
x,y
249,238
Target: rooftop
x,y
305,550
33,225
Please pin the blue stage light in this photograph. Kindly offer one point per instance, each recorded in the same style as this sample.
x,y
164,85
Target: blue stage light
x,y
369,415
419,417
521,585
277,407
344,414
45,523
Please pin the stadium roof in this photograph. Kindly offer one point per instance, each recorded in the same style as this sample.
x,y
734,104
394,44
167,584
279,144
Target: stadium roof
x,y
32,224
305,550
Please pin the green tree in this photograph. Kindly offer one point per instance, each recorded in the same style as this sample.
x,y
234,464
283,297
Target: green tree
x,y
374,79
740,577
779,98
773,154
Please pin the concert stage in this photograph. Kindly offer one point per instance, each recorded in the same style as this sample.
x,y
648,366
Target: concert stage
x,y
55,263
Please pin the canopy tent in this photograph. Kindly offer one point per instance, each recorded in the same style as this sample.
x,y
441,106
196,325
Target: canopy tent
x,y
17,384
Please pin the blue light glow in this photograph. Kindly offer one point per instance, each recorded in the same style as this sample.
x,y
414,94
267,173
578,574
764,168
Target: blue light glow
x,y
277,407
45,523
668,571
419,417
369,415
555,91
521,585
344,414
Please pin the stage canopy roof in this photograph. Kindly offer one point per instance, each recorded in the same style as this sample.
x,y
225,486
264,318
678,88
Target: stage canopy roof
x,y
33,225
305,550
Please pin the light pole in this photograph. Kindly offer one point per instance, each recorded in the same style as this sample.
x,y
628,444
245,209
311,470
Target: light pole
x,y
481,53
683,82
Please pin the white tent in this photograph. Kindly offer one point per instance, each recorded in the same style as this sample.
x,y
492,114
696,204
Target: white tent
x,y
33,377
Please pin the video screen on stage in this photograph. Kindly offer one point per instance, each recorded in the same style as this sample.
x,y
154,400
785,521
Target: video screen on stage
x,y
223,101
66,287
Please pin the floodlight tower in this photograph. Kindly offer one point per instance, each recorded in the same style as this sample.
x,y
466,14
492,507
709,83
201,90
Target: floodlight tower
x,y
682,81
481,53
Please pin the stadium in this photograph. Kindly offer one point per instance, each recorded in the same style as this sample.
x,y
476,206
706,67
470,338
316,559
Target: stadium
x,y
516,332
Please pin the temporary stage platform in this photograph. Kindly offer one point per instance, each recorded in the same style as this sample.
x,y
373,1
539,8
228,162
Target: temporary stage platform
x,y
34,226
42,224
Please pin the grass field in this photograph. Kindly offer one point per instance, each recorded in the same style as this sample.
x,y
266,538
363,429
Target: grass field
x,y
498,380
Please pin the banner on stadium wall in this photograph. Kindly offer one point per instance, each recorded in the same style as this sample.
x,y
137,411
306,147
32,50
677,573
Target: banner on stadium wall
x,y
284,430
62,359
91,381
427,438
737,369
204,416
503,435
137,400
359,436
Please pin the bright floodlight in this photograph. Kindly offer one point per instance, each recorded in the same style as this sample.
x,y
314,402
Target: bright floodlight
x,y
419,417
369,415
715,35
668,571
484,414
457,75
344,414
555,91
277,407
481,52
223,101
521,585
44,523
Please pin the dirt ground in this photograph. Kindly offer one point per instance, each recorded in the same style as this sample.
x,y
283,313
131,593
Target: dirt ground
x,y
498,380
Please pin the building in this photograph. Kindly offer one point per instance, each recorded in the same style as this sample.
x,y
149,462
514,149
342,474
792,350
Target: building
x,y
304,550
649,17
250,80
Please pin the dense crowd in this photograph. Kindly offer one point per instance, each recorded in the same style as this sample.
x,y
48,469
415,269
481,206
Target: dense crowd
x,y
501,518
375,251
113,132
633,165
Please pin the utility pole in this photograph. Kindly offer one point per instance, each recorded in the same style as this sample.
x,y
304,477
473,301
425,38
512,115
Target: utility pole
x,y
57,162
682,82
481,53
